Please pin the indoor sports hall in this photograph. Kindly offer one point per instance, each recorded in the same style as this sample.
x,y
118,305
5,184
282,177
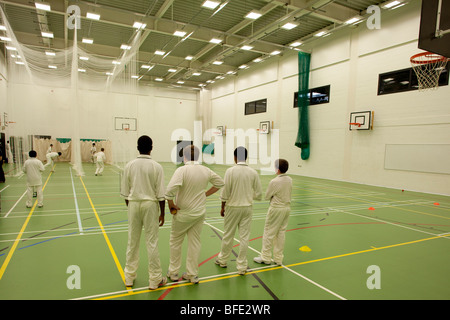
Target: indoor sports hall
x,y
352,93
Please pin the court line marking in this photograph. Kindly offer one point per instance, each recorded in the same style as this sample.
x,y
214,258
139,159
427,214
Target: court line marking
x,y
80,227
111,249
16,242
4,188
15,204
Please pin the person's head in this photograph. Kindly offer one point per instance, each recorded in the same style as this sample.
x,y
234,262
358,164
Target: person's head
x,y
59,153
190,153
145,145
93,144
32,154
240,154
103,149
281,165
51,145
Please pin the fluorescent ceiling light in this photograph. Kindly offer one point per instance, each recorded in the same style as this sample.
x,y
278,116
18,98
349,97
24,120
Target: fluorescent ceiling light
x,y
5,38
320,34
159,79
274,53
352,20
47,34
125,47
172,70
196,74
189,58
180,34
145,66
217,62
257,60
84,58
215,40
253,15
53,67
139,25
109,73
180,82
50,53
20,62
42,6
160,53
295,44
245,47
134,77
2,28
390,4
289,26
116,62
81,70
210,4
92,16
86,40
11,48
244,66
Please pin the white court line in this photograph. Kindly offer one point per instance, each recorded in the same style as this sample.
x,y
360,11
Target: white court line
x,y
15,204
289,269
4,188
80,228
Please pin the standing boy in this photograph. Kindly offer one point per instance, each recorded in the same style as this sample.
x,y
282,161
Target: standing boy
x,y
279,193
100,156
242,186
143,189
33,168
187,187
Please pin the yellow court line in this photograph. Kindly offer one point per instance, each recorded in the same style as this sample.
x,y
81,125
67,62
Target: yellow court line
x,y
111,249
267,269
16,242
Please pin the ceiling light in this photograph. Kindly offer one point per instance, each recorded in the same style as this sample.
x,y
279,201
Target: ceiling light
x,y
180,82
289,26
116,62
53,67
245,47
180,34
11,48
196,74
5,38
210,4
109,73
352,20
172,70
217,62
189,58
42,6
84,58
139,25
125,47
160,52
253,15
274,53
81,70
295,44
92,16
159,79
134,77
145,66
320,34
86,40
20,62
47,34
50,53
3,28
257,60
244,66
390,4
215,40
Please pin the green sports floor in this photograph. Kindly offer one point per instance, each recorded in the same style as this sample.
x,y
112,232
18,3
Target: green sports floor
x,y
344,241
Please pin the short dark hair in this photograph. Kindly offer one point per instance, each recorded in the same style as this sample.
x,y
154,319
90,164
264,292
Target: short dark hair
x,y
191,152
59,153
240,153
145,144
103,149
282,165
32,154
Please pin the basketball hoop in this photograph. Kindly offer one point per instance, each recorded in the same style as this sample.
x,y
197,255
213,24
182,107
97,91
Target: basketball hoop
x,y
428,67
355,124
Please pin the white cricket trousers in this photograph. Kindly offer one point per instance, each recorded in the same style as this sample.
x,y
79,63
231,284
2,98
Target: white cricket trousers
x,y
185,226
143,214
241,218
274,234
40,196
100,166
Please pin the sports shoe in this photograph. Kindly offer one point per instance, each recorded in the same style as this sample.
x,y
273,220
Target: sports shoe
x,y
192,279
163,282
172,278
222,265
260,260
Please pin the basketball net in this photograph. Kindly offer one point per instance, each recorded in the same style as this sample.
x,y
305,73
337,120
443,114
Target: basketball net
x,y
428,67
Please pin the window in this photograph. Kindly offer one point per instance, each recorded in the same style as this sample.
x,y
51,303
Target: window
x,y
404,80
317,95
258,106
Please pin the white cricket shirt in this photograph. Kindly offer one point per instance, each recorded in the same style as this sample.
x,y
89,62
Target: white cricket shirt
x,y
279,191
33,168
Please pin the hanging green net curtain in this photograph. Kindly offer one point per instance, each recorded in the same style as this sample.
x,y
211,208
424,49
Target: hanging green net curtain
x,y
303,90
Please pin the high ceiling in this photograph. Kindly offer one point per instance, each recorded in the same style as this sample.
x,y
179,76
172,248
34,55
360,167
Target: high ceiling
x,y
189,57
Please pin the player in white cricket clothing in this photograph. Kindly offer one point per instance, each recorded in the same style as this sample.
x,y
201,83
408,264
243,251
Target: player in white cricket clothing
x,y
33,168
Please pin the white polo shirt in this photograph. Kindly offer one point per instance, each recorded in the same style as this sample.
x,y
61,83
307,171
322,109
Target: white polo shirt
x,y
100,156
279,191
188,186
33,168
242,186
143,179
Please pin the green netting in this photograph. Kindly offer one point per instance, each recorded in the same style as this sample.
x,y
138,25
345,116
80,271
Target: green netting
x,y
303,102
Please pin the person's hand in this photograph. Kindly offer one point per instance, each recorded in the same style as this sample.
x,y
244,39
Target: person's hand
x,y
222,212
161,220
174,209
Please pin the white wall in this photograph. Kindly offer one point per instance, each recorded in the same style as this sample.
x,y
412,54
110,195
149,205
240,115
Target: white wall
x,y
350,61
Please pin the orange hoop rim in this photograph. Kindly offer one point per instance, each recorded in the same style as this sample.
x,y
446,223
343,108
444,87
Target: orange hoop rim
x,y
434,58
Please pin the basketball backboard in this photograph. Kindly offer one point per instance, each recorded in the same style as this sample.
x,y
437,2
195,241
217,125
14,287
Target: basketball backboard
x,y
129,124
361,120
434,34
